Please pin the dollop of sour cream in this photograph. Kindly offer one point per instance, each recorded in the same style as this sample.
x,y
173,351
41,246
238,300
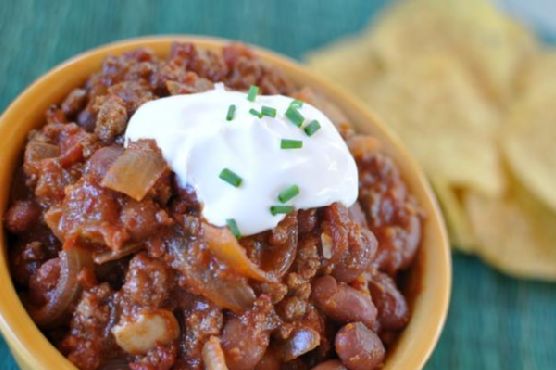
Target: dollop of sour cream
x,y
198,141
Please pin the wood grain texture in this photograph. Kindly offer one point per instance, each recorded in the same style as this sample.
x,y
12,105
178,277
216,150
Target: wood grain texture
x,y
495,322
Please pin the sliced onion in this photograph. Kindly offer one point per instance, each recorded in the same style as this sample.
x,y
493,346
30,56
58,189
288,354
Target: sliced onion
x,y
327,245
224,246
277,259
36,151
72,260
52,218
221,287
113,255
237,296
213,355
136,171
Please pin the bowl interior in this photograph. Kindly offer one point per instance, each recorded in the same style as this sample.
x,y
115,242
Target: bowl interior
x,y
429,277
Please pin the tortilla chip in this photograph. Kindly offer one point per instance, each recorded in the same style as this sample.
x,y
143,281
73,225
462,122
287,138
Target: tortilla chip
x,y
516,232
538,78
349,62
491,45
530,143
441,117
444,74
457,223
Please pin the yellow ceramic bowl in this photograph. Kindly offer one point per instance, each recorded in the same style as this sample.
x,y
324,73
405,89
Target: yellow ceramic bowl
x,y
430,275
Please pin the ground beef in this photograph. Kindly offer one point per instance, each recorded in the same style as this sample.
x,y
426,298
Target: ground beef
x,y
151,293
111,120
202,319
148,282
85,343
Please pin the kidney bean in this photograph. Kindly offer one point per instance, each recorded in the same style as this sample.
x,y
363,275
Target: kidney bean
x,y
362,246
22,215
342,302
307,220
97,166
245,339
270,361
44,280
391,211
330,365
398,244
359,348
393,313
300,342
74,102
356,214
335,232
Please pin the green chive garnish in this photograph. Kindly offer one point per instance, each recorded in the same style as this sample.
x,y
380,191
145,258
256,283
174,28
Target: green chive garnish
x,y
275,210
252,93
291,144
293,115
255,112
288,193
268,111
230,177
296,104
312,127
232,225
231,112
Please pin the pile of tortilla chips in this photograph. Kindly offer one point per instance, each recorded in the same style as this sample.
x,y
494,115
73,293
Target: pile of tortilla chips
x,y
473,96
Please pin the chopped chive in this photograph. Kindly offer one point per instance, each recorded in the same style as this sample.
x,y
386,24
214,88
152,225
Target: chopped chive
x,y
255,112
291,144
231,112
312,127
252,93
294,116
230,177
268,111
288,193
275,210
296,103
232,225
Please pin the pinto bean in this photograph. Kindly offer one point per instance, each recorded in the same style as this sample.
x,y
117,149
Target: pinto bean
x,y
342,302
359,348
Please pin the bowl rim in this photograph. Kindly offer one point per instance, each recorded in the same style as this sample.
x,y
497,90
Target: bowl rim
x,y
32,349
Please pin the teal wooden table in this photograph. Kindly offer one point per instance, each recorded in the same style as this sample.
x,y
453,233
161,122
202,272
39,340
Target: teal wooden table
x,y
495,322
